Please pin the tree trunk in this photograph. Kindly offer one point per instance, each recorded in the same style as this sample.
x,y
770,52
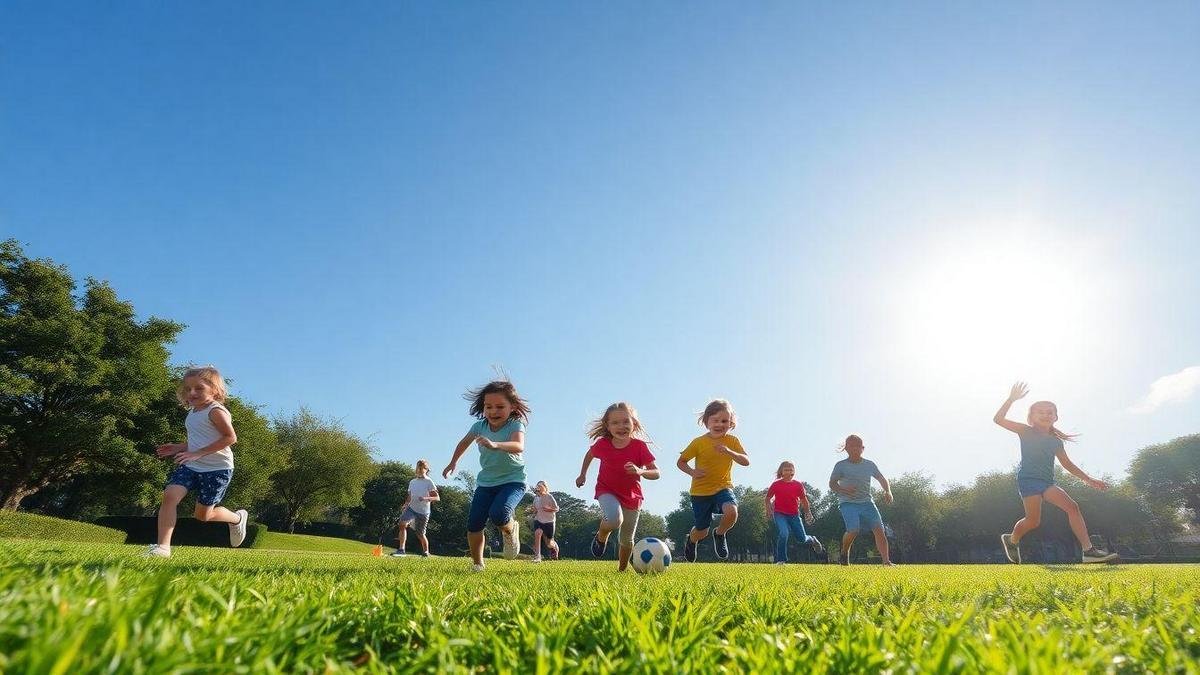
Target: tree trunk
x,y
12,498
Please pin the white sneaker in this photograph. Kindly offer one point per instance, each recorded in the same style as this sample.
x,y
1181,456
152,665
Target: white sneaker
x,y
512,541
156,551
536,558
398,554
237,531
477,567
1097,555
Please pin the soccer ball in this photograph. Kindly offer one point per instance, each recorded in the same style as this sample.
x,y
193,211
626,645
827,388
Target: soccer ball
x,y
650,556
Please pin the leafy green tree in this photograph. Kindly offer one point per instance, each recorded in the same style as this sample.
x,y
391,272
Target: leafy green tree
x,y
326,466
912,516
75,374
1168,477
383,500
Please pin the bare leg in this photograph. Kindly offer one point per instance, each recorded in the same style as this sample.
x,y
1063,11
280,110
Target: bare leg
x,y
698,535
424,542
848,541
216,514
475,543
167,515
1058,497
537,543
402,536
729,516
623,555
881,543
1033,517
607,527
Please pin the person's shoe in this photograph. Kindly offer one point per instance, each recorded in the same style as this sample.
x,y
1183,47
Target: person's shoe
x,y
424,554
1097,555
237,531
156,551
512,541
398,554
816,545
780,562
599,547
536,559
843,559
554,552
720,546
477,567
1011,550
888,563
689,550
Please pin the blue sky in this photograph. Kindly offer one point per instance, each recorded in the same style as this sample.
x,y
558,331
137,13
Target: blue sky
x,y
843,219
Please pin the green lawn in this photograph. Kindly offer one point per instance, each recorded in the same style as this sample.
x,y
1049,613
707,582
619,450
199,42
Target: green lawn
x,y
72,607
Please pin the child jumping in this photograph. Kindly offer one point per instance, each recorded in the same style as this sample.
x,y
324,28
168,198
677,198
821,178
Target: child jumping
x,y
712,478
417,508
204,464
1041,442
789,498
851,480
500,485
624,461
545,511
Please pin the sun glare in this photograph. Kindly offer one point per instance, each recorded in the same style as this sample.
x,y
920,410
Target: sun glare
x,y
995,311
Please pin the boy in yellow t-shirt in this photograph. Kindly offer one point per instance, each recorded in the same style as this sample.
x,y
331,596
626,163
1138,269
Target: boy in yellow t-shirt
x,y
712,478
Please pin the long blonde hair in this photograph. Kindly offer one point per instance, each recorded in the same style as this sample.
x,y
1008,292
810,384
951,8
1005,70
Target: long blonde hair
x,y
210,376
779,471
1054,431
598,428
716,406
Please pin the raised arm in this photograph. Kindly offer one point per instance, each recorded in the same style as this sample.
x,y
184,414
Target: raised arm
x,y
1017,392
1079,473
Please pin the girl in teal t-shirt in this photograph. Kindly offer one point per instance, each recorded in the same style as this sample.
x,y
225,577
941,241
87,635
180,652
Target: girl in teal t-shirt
x,y
500,484
1041,443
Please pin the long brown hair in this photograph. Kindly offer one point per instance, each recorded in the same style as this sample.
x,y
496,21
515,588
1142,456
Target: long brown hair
x,y
520,407
598,428
1054,431
779,471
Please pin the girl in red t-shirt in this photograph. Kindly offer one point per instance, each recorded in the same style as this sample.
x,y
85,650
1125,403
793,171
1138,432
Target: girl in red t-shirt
x,y
624,461
788,495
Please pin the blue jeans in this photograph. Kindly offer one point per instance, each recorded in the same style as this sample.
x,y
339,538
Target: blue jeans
x,y
496,502
787,525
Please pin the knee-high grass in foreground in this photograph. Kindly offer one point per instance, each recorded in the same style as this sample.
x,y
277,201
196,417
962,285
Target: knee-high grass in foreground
x,y
71,608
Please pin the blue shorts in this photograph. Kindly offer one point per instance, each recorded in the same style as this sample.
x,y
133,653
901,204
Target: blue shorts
x,y
704,506
496,502
856,515
1033,487
209,486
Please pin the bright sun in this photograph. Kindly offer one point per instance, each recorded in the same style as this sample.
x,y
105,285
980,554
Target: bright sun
x,y
995,311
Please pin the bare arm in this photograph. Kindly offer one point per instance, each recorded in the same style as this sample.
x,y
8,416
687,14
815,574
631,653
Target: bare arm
x,y
807,508
515,444
1001,417
683,466
587,462
769,508
458,452
1079,473
433,495
887,488
224,425
650,471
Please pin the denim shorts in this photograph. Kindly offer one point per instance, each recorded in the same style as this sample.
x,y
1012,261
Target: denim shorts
x,y
859,514
496,502
209,486
420,521
704,506
1032,487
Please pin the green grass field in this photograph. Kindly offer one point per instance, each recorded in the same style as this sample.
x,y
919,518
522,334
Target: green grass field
x,y
72,607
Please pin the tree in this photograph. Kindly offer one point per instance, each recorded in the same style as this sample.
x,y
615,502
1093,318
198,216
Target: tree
x,y
1168,477
256,456
383,500
326,466
74,375
912,516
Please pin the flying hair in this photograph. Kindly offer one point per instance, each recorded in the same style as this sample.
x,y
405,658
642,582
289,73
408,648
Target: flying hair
x,y
717,406
598,428
520,407
1054,431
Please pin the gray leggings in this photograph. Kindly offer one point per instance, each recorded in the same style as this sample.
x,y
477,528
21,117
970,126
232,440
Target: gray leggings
x,y
615,514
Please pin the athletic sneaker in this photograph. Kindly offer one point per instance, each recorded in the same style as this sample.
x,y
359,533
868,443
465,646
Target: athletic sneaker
x,y
598,547
424,554
1096,555
843,559
720,546
536,558
156,551
689,550
1011,550
512,542
477,567
237,531
780,562
398,554
816,545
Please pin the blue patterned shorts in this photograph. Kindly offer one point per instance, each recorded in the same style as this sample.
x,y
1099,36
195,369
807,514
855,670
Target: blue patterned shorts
x,y
209,486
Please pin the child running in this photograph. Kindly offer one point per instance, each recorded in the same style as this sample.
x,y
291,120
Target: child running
x,y
417,507
545,511
712,478
788,495
1041,442
500,485
624,461
204,463
851,480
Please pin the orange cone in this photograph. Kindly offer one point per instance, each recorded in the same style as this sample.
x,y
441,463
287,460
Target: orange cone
x,y
377,551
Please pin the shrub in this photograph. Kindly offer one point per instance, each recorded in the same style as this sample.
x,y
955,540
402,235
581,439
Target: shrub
x,y
34,526
188,531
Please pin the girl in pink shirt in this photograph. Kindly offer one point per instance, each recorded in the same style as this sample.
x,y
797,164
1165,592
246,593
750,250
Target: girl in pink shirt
x,y
788,495
624,461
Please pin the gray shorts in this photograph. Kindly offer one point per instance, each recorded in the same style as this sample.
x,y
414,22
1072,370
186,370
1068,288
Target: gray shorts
x,y
614,514
417,521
